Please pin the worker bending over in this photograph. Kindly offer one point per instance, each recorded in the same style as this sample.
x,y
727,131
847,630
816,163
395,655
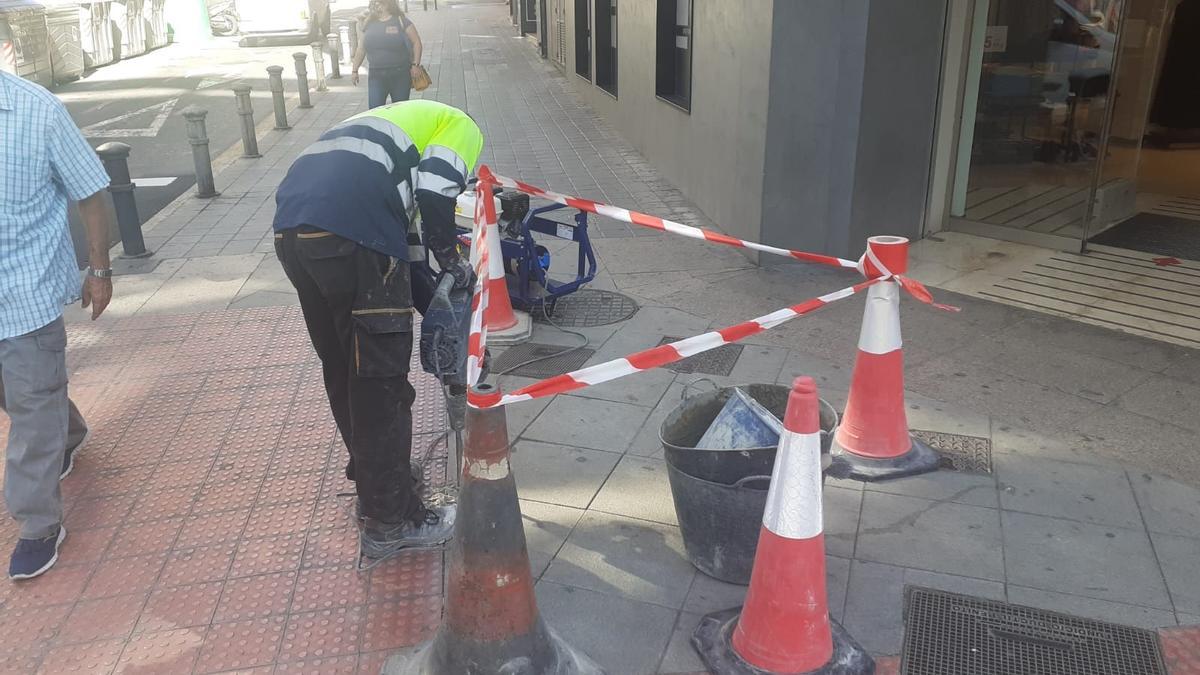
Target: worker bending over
x,y
344,234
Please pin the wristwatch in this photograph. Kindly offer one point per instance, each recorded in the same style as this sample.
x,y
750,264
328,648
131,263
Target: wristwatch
x,y
100,274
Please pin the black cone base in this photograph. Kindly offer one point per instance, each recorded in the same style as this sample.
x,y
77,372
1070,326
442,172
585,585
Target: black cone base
x,y
918,460
542,652
713,640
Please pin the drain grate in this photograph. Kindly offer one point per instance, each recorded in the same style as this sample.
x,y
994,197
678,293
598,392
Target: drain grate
x,y
950,634
970,454
719,361
590,307
557,360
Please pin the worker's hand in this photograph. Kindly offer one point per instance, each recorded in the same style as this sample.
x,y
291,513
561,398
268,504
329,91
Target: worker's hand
x,y
97,292
354,78
453,264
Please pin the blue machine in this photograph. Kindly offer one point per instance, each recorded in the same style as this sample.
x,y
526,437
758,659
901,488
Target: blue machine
x,y
527,264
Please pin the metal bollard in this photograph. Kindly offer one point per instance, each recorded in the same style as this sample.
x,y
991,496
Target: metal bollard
x,y
335,56
302,79
245,110
275,75
116,161
347,42
197,134
318,52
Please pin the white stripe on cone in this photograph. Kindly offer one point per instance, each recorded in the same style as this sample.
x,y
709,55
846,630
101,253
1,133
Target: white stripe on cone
x,y
794,498
881,320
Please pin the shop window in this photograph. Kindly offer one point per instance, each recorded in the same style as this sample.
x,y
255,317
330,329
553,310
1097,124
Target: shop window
x,y
673,67
606,45
583,40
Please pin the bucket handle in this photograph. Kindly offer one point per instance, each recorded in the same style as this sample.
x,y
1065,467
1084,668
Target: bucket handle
x,y
687,388
751,479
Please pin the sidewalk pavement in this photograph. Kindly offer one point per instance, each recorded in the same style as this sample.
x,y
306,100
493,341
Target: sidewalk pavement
x,y
206,534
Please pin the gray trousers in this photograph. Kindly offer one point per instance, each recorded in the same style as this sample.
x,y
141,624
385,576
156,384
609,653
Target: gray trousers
x,y
33,391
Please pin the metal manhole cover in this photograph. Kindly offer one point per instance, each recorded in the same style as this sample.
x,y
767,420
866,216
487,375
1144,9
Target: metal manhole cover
x,y
556,360
970,454
590,307
950,634
719,361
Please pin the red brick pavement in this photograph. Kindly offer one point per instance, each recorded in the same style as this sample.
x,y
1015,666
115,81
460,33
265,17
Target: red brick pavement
x,y
1181,649
204,531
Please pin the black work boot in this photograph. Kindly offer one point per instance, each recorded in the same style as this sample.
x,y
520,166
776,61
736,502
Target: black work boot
x,y
381,540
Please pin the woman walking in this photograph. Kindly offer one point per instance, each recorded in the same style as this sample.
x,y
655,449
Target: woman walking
x,y
391,46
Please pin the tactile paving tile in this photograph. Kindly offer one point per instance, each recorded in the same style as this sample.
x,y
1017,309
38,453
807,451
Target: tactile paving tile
x,y
196,565
240,644
256,597
165,651
269,520
328,632
180,607
329,587
338,546
118,575
280,553
1181,649
94,657
401,623
410,574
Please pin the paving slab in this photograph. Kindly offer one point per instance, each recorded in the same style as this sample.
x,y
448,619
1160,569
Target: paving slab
x,y
875,601
958,487
841,510
588,423
932,415
638,488
1168,506
1165,399
681,656
519,416
1088,493
202,283
935,536
547,526
1102,610
634,559
1095,561
559,474
1180,560
620,634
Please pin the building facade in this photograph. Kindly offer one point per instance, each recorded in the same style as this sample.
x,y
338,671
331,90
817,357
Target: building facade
x,y
812,124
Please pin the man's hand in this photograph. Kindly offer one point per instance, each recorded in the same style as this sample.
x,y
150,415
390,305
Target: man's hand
x,y
354,78
97,292
453,264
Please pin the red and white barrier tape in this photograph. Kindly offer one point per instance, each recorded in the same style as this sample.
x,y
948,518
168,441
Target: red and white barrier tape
x,y
654,222
485,217
486,220
663,355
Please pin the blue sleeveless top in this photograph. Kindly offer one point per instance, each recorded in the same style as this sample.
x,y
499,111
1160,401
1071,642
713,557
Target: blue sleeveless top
x,y
387,44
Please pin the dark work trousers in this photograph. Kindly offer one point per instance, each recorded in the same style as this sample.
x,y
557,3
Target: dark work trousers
x,y
383,83
357,304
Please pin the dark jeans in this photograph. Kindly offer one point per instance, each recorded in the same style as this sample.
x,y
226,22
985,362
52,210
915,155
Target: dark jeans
x,y
357,304
385,82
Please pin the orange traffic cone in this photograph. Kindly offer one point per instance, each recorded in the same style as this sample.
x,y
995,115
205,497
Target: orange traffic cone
x,y
784,627
873,441
491,624
505,325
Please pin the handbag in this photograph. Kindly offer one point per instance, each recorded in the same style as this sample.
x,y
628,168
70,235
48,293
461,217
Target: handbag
x,y
421,80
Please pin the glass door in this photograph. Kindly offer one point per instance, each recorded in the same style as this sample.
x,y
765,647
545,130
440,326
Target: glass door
x,y
1036,106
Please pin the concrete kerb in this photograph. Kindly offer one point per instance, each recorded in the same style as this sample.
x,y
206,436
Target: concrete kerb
x,y
227,158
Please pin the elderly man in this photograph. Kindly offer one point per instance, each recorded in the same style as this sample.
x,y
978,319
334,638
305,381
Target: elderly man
x,y
44,163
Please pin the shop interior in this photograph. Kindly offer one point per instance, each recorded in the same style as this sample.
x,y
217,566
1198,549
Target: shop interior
x,y
1075,98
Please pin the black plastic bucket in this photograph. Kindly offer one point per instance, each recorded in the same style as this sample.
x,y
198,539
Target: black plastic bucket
x,y
720,495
